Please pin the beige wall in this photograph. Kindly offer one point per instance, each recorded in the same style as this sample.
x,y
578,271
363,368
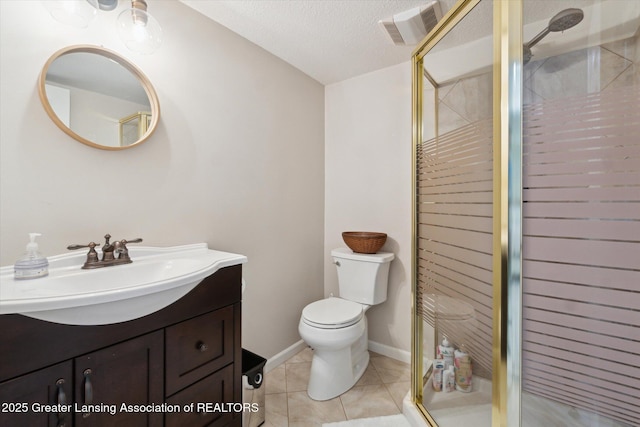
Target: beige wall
x,y
240,161
237,160
368,184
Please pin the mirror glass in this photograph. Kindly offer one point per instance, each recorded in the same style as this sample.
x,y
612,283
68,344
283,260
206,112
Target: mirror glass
x,y
99,98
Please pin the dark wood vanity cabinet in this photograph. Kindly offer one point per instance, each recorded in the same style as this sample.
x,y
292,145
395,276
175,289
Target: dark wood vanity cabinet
x,y
170,368
130,373
48,385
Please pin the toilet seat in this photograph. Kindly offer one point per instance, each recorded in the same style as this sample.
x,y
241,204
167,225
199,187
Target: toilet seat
x,y
332,313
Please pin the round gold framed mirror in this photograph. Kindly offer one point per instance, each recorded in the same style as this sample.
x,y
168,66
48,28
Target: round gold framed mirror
x,y
98,97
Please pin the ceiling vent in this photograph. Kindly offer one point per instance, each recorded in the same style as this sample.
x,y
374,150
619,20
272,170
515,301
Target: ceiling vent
x,y
411,26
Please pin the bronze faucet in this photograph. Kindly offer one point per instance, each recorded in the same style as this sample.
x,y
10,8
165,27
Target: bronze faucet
x,y
108,253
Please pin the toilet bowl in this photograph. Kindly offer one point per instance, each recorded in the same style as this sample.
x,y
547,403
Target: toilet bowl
x,y
340,354
336,328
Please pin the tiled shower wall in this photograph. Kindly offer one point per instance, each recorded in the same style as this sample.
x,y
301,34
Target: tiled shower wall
x,y
468,100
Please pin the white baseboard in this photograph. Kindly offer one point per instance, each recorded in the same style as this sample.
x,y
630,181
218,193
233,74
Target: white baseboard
x,y
289,352
284,355
392,352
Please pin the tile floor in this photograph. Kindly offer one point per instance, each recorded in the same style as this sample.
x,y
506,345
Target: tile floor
x,y
379,392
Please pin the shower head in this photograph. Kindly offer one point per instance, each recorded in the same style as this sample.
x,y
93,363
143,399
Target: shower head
x,y
565,19
561,21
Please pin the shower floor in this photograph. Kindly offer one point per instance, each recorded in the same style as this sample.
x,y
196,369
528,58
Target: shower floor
x,y
456,409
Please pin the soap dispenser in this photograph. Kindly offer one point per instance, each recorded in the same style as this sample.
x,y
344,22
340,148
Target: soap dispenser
x,y
445,351
32,265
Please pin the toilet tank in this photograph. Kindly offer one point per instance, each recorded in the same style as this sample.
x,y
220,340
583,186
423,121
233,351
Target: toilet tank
x,y
362,278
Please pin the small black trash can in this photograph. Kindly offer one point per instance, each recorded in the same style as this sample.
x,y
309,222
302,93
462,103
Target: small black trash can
x,y
253,388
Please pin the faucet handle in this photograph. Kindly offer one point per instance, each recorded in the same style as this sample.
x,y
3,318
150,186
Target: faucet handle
x,y
123,250
91,245
92,255
124,242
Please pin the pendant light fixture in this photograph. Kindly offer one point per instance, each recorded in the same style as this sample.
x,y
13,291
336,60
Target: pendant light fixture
x,y
76,13
139,31
107,4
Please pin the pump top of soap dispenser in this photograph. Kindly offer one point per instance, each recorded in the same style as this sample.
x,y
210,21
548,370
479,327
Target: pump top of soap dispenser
x,y
32,264
32,246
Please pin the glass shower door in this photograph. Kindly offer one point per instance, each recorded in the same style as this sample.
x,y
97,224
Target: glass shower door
x,y
454,195
554,326
581,216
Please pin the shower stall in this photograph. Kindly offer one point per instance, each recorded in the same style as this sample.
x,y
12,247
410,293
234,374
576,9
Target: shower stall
x,y
526,218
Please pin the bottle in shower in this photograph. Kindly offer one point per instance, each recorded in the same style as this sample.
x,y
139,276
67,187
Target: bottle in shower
x,y
464,375
438,369
445,352
451,385
448,380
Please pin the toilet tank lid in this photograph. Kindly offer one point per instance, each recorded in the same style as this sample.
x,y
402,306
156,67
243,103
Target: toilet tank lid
x,y
346,253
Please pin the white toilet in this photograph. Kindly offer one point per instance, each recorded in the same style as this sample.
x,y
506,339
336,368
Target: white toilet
x,y
336,328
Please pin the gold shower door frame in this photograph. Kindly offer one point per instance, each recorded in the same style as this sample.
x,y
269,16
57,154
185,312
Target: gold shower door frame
x,y
507,204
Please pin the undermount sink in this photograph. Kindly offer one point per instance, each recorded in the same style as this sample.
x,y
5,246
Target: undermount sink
x,y
70,295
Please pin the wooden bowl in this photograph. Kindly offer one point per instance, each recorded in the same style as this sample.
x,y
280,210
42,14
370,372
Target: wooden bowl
x,y
364,242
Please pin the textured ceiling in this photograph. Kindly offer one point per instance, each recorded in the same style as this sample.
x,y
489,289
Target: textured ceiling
x,y
330,40
333,40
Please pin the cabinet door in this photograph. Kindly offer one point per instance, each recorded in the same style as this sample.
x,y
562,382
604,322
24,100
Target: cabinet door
x,y
128,373
22,397
198,347
212,400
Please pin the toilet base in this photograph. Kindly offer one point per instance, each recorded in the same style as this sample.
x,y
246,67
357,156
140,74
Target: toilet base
x,y
333,372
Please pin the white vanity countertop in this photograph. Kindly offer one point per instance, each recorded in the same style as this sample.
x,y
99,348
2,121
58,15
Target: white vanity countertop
x,y
156,278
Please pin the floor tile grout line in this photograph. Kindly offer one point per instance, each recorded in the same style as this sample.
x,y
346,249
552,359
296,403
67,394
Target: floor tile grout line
x,y
377,370
344,411
391,396
286,390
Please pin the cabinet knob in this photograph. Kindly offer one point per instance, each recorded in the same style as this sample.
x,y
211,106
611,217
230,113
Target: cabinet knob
x,y
202,347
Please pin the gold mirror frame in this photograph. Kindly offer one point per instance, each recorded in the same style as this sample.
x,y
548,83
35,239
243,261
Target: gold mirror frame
x,y
135,71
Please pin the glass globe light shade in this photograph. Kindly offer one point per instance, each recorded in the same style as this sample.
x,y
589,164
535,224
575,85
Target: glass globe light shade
x,y
139,31
77,13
